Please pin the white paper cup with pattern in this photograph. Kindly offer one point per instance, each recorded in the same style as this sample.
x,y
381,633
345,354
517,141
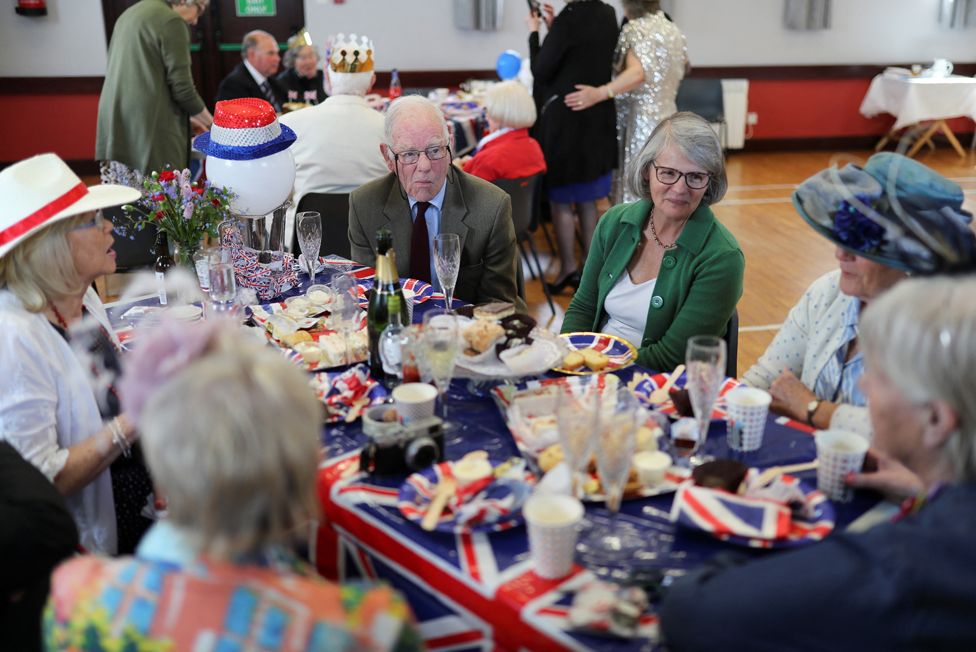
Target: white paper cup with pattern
x,y
415,401
838,453
746,409
553,524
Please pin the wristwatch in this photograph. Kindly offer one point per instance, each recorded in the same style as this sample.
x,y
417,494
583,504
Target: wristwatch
x,y
812,408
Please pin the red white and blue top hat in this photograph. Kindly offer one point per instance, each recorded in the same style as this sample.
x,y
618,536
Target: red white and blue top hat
x,y
244,129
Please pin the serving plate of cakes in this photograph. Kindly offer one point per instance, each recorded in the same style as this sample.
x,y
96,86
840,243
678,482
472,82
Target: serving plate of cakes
x,y
594,353
497,342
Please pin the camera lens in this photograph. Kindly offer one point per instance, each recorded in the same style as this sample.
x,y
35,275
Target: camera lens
x,y
421,453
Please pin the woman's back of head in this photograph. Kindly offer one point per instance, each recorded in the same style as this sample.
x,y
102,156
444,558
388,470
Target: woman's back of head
x,y
921,335
231,434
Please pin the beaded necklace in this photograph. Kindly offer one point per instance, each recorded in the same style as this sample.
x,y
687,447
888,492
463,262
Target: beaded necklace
x,y
654,233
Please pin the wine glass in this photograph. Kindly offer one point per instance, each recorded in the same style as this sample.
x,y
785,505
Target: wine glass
x,y
576,421
440,347
619,417
223,284
705,363
447,261
309,227
346,308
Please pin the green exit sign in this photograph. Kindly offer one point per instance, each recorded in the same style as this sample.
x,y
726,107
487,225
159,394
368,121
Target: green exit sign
x,y
253,8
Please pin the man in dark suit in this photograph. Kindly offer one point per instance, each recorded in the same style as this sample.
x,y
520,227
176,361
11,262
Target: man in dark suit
x,y
254,75
425,195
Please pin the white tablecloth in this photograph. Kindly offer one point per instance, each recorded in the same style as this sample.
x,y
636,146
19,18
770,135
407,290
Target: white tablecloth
x,y
917,99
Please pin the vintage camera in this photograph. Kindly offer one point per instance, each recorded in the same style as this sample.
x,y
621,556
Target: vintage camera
x,y
397,448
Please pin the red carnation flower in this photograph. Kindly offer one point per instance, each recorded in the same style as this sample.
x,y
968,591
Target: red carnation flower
x,y
159,215
158,197
215,202
198,190
167,175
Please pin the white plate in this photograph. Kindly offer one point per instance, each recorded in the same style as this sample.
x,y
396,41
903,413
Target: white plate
x,y
492,367
184,313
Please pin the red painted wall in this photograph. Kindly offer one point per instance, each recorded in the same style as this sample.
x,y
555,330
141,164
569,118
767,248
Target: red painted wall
x,y
63,124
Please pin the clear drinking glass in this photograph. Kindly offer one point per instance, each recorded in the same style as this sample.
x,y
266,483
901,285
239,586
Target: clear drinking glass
x,y
440,347
619,417
223,284
576,421
308,224
705,363
447,261
346,308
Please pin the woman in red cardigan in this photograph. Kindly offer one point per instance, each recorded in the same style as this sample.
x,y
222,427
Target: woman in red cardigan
x,y
507,152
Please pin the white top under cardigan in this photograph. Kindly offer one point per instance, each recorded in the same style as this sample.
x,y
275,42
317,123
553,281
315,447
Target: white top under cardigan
x,y
813,332
47,405
626,307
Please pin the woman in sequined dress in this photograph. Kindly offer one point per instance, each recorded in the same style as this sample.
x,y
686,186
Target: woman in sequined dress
x,y
649,63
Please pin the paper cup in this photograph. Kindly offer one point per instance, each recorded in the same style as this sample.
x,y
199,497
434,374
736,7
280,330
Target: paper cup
x,y
838,453
553,522
651,467
747,408
415,401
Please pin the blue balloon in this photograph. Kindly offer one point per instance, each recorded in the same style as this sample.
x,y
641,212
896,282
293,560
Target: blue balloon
x,y
508,64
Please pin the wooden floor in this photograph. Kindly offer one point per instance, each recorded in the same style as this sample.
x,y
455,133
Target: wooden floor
x,y
783,254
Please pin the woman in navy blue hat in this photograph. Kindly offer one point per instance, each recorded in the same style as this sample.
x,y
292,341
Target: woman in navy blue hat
x,y
890,219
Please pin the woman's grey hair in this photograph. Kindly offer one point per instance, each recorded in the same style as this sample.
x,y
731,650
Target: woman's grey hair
x,y
232,442
695,138
510,104
288,60
921,335
411,106
634,9
41,268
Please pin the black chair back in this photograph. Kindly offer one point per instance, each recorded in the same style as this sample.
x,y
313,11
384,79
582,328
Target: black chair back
x,y
334,208
134,249
525,201
732,345
702,96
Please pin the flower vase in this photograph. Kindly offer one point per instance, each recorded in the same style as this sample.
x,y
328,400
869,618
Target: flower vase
x,y
183,255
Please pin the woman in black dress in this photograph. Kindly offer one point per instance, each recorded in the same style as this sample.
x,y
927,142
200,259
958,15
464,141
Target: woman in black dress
x,y
580,146
302,77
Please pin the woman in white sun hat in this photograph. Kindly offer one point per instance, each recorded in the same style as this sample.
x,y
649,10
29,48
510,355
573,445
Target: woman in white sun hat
x,y
57,350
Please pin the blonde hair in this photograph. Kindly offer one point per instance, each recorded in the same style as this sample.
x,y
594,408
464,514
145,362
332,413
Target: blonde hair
x,y
41,268
921,335
232,441
509,104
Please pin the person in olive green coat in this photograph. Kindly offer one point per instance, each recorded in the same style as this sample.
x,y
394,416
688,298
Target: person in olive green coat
x,y
148,100
663,269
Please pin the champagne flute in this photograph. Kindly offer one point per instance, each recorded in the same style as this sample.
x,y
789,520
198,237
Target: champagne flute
x,y
705,363
309,226
345,309
619,417
576,420
440,346
447,261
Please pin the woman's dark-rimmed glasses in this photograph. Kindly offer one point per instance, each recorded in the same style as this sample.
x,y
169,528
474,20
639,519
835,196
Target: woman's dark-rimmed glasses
x,y
411,156
670,176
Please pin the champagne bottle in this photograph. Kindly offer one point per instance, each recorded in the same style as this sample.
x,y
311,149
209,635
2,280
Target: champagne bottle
x,y
387,298
163,265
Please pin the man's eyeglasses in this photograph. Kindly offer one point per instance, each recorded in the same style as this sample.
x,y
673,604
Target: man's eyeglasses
x,y
670,176
411,156
97,220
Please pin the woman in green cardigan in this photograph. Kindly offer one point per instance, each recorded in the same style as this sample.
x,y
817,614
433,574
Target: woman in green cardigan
x,y
663,269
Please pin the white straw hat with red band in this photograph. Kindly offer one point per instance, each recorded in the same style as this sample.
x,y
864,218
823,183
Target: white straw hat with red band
x,y
39,191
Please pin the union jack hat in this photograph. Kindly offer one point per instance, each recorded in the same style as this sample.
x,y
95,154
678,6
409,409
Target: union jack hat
x,y
42,190
244,129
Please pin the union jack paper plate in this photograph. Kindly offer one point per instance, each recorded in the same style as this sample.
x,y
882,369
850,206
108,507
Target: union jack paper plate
x,y
620,352
642,385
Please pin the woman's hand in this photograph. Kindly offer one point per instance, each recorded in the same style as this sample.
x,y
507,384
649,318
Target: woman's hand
x,y
533,21
585,97
790,396
548,14
892,478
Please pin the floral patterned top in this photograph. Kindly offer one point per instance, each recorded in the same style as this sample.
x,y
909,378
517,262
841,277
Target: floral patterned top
x,y
140,604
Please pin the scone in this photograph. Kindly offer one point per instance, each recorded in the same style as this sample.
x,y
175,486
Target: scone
x,y
292,339
594,359
573,361
481,336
